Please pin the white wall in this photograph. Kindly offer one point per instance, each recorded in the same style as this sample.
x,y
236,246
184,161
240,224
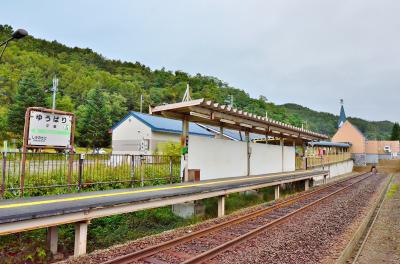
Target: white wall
x,y
221,158
217,158
265,159
336,169
289,158
127,136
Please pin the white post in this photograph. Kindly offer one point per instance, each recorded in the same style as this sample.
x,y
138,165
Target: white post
x,y
221,206
283,155
247,136
277,194
185,146
81,229
52,237
306,184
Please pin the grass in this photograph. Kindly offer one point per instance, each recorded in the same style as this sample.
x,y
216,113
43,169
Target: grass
x,y
393,189
31,247
99,173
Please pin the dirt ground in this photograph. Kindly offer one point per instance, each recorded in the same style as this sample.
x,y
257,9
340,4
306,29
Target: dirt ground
x,y
383,243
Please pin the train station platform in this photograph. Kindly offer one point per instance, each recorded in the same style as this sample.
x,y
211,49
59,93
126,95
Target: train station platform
x,y
38,212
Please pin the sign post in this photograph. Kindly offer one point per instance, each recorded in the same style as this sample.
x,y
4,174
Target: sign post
x,y
47,129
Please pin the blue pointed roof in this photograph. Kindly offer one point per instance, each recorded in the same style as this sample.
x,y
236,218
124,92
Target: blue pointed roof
x,y
161,124
342,116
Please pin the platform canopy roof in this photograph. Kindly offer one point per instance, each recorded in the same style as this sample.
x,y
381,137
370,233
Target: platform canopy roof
x,y
329,144
211,113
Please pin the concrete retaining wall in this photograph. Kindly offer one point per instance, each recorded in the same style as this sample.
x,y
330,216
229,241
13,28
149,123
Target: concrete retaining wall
x,y
360,159
335,169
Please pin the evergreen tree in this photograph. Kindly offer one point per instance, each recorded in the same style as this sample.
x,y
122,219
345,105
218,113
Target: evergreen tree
x,y
395,132
29,93
94,120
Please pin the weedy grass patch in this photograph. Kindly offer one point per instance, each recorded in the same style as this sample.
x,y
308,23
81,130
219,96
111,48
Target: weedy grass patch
x,y
393,189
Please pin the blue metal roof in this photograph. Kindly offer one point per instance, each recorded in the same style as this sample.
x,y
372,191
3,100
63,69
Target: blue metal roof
x,y
161,124
329,144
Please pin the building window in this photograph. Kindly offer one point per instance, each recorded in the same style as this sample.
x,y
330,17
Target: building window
x,y
387,149
145,144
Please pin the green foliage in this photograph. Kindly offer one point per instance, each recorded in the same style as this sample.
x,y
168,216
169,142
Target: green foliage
x,y
395,132
94,119
29,94
32,247
122,83
168,148
326,123
3,123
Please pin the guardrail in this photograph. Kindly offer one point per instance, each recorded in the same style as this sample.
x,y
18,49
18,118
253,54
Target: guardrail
x,y
53,173
326,159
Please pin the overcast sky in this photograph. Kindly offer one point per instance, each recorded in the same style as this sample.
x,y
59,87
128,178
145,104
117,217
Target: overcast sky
x,y
309,52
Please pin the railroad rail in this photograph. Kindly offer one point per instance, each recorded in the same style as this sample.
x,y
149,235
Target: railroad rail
x,y
230,233
370,223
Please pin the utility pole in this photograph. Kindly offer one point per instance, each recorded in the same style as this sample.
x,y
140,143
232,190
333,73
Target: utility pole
x,y
141,103
186,96
54,90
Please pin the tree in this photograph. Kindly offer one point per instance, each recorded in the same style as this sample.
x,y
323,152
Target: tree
x,y
94,120
29,93
3,123
63,103
395,132
117,106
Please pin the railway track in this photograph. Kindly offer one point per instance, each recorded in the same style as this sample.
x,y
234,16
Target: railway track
x,y
203,245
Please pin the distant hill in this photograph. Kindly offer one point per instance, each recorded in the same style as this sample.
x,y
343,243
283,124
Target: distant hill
x,y
81,70
327,123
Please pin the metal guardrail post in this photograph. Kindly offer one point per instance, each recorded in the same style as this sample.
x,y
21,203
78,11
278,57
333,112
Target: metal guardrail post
x,y
80,171
22,177
170,169
70,168
132,170
3,174
141,166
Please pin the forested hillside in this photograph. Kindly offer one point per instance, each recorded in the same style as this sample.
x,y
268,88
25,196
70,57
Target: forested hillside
x,y
327,123
100,91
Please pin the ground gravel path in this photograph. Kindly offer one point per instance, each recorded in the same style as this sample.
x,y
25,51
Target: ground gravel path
x,y
383,243
314,236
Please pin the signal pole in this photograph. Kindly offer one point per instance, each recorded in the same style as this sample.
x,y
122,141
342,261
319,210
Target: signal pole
x,y
54,90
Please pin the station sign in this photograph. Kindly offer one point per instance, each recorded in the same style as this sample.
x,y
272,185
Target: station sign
x,y
48,128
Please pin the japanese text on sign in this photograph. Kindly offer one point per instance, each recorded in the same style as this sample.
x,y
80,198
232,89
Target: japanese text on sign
x,y
48,129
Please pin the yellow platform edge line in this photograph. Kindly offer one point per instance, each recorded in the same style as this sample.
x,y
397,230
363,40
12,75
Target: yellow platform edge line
x,y
86,197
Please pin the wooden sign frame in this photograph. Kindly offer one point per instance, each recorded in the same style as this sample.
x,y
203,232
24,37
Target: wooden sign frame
x,y
50,111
